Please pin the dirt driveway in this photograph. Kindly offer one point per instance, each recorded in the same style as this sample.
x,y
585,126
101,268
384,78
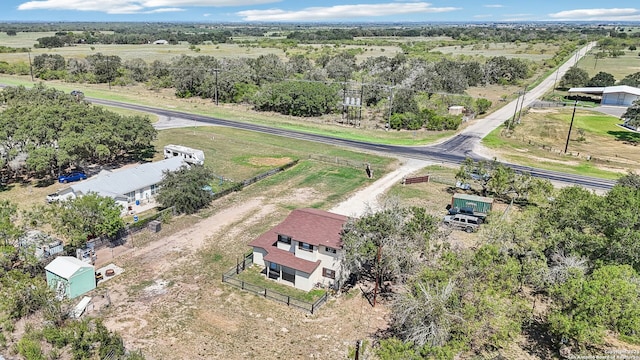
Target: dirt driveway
x,y
169,305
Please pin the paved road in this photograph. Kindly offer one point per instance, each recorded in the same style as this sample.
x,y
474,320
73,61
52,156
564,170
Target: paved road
x,y
412,152
469,139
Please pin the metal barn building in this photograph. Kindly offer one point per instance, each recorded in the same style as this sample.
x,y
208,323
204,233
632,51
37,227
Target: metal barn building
x,y
621,95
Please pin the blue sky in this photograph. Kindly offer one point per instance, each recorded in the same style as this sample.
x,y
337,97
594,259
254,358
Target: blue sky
x,y
318,11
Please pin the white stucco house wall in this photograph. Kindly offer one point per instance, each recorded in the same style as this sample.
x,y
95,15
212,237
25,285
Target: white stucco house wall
x,y
126,186
621,95
303,250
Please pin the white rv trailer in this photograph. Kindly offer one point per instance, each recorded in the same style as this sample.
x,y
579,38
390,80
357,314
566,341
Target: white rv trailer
x,y
192,156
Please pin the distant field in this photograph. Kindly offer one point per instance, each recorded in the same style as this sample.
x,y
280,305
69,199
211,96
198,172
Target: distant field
x,y
619,67
148,52
23,39
535,52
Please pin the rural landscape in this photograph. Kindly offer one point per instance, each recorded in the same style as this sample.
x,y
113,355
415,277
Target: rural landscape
x,y
319,191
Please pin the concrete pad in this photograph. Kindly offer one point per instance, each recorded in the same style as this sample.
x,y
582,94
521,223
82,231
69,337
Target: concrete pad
x,y
116,269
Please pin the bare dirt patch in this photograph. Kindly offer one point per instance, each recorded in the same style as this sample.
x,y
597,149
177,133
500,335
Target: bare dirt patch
x,y
267,161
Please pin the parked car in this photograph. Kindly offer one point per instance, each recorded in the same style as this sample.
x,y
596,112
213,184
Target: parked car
x,y
71,177
462,222
77,94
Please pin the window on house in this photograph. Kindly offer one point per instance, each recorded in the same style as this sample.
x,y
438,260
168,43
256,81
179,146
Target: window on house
x,y
330,250
131,197
284,239
154,189
273,266
304,246
328,273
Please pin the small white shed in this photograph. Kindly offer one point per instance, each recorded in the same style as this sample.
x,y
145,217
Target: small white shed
x,y
456,110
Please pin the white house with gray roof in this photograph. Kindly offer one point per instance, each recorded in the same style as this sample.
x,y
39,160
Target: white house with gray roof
x,y
126,186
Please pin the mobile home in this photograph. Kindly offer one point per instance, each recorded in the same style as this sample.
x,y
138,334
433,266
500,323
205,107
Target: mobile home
x,y
192,156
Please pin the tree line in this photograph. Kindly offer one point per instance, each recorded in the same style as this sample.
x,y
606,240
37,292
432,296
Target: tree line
x,y
414,88
578,77
45,132
195,33
62,39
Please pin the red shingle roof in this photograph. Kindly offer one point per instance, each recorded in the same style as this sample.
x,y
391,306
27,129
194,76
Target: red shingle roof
x,y
312,226
285,258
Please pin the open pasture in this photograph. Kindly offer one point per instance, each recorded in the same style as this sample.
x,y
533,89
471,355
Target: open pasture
x,y
534,52
619,67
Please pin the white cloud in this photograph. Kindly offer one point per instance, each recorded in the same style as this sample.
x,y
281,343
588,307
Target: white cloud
x,y
132,6
209,3
625,14
493,6
342,12
111,7
482,16
164,10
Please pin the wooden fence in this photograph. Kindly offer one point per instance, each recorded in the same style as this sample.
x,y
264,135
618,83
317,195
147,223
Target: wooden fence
x,y
230,278
415,180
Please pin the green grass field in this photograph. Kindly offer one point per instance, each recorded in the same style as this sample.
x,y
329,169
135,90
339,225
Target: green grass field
x,y
619,67
594,134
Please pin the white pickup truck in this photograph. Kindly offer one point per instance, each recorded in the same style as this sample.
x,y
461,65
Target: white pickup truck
x,y
462,222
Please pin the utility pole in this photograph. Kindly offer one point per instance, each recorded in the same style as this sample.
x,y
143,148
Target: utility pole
x,y
515,111
553,91
390,108
215,91
108,72
524,93
30,65
566,146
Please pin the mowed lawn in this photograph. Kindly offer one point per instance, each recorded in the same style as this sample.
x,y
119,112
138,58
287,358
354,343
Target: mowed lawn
x,y
610,146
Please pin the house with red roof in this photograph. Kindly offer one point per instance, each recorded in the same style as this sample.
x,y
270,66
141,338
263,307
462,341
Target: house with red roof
x,y
303,250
